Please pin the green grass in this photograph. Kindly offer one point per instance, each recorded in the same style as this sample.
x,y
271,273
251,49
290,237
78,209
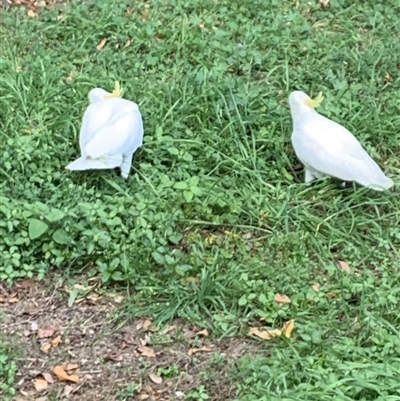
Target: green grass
x,y
213,194
8,369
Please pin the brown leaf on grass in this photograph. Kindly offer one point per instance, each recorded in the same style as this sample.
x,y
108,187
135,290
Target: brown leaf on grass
x,y
287,328
147,351
189,333
32,13
143,325
203,333
282,299
68,390
343,265
202,349
56,341
40,384
315,287
46,332
71,367
128,42
265,334
48,377
12,300
113,357
101,45
168,329
27,283
62,375
331,294
155,379
324,3
143,396
190,280
45,347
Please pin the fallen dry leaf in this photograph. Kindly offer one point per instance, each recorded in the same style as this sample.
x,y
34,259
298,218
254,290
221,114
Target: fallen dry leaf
x,y
282,299
101,44
128,42
287,328
147,351
71,366
187,280
143,396
143,325
168,329
56,341
46,332
40,384
68,390
331,294
45,347
62,375
324,3
202,349
203,333
343,265
12,300
27,283
32,13
189,333
315,287
113,357
265,334
48,377
155,379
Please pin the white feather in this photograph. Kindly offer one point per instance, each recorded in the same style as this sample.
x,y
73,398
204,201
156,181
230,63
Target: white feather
x,y
328,149
111,132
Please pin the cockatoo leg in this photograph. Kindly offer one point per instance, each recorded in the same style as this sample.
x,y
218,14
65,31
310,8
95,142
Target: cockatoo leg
x,y
309,176
126,165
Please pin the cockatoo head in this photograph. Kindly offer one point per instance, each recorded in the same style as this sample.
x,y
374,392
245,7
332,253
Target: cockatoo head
x,y
98,94
301,102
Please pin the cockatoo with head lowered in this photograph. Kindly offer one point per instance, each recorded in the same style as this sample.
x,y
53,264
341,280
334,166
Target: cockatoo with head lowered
x,y
111,132
328,149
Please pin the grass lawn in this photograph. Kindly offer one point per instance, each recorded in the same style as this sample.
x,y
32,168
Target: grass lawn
x,y
214,220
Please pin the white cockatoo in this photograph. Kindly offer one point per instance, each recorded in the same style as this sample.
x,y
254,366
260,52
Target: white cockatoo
x,y
111,132
328,149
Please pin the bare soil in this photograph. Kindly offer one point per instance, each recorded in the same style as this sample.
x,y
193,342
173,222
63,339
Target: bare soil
x,y
99,359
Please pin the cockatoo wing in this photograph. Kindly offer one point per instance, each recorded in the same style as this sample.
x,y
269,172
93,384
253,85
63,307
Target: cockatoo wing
x,y
111,132
122,135
96,116
107,113
329,148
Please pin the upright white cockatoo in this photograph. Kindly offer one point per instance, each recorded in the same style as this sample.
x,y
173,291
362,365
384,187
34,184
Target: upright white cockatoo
x,y
328,149
111,132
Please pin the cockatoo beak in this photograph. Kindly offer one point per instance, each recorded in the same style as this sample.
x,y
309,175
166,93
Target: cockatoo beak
x,y
117,92
316,102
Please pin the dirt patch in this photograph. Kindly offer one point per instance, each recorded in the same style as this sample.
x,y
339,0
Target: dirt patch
x,y
101,361
33,7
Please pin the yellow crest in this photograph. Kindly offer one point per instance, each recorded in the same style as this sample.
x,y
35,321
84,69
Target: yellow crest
x,y
316,102
117,92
